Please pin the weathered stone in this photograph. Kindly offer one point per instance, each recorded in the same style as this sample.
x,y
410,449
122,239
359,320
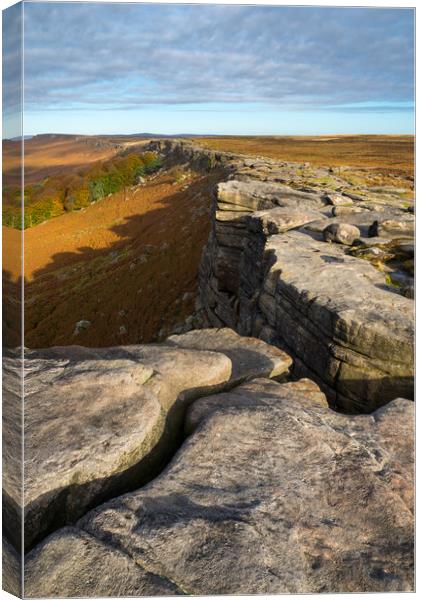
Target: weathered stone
x,y
272,493
249,357
341,233
96,422
353,196
340,211
278,220
101,421
393,227
255,195
337,200
304,391
93,570
11,569
12,428
339,318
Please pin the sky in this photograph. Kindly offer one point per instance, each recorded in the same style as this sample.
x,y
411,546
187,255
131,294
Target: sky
x,y
129,68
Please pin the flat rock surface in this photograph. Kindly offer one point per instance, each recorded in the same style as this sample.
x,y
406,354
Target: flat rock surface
x,y
272,493
250,357
278,220
257,195
101,421
92,415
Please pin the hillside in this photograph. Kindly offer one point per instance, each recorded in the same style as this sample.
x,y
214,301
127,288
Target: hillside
x,y
279,299
127,265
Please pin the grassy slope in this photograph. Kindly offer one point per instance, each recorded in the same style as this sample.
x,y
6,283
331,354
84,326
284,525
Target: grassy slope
x,y
127,261
125,264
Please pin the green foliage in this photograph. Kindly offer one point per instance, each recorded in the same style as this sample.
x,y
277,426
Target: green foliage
x,y
211,162
66,193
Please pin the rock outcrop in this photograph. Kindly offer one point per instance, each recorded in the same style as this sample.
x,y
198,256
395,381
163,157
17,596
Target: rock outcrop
x,y
346,317
99,422
213,463
12,429
273,492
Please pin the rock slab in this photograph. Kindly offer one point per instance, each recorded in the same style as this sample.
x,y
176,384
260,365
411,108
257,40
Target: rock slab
x,y
272,493
99,422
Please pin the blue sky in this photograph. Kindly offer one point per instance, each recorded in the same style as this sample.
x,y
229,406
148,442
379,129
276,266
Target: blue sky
x,y
124,68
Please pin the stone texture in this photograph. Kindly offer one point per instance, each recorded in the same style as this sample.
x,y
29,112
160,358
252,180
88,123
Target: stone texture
x,y
279,220
304,391
95,422
12,419
338,316
11,569
256,195
340,211
101,421
341,233
93,569
250,357
272,493
337,200
393,227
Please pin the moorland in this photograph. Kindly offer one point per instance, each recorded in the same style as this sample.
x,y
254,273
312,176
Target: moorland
x,y
114,241
278,297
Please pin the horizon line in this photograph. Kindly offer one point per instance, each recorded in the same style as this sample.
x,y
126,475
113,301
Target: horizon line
x,y
157,134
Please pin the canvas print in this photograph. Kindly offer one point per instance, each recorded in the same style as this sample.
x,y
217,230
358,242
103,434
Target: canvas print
x,y
208,299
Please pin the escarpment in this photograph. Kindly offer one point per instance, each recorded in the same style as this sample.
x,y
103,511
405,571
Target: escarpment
x,y
281,265
228,458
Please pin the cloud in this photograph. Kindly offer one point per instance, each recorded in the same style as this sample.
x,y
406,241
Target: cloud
x,y
101,56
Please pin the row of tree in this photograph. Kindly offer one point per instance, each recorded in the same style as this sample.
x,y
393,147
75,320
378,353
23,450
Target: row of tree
x,y
73,191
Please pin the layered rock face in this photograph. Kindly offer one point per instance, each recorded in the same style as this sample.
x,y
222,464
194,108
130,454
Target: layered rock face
x,y
272,492
214,463
305,269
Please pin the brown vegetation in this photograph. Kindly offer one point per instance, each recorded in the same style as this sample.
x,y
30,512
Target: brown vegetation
x,y
48,155
390,157
127,264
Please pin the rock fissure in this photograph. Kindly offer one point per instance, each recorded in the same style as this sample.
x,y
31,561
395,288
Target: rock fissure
x,y
210,463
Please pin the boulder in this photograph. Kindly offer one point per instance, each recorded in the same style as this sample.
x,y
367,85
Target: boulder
x,y
280,219
250,357
96,422
337,316
101,421
257,195
337,200
94,569
272,493
340,211
393,228
341,233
